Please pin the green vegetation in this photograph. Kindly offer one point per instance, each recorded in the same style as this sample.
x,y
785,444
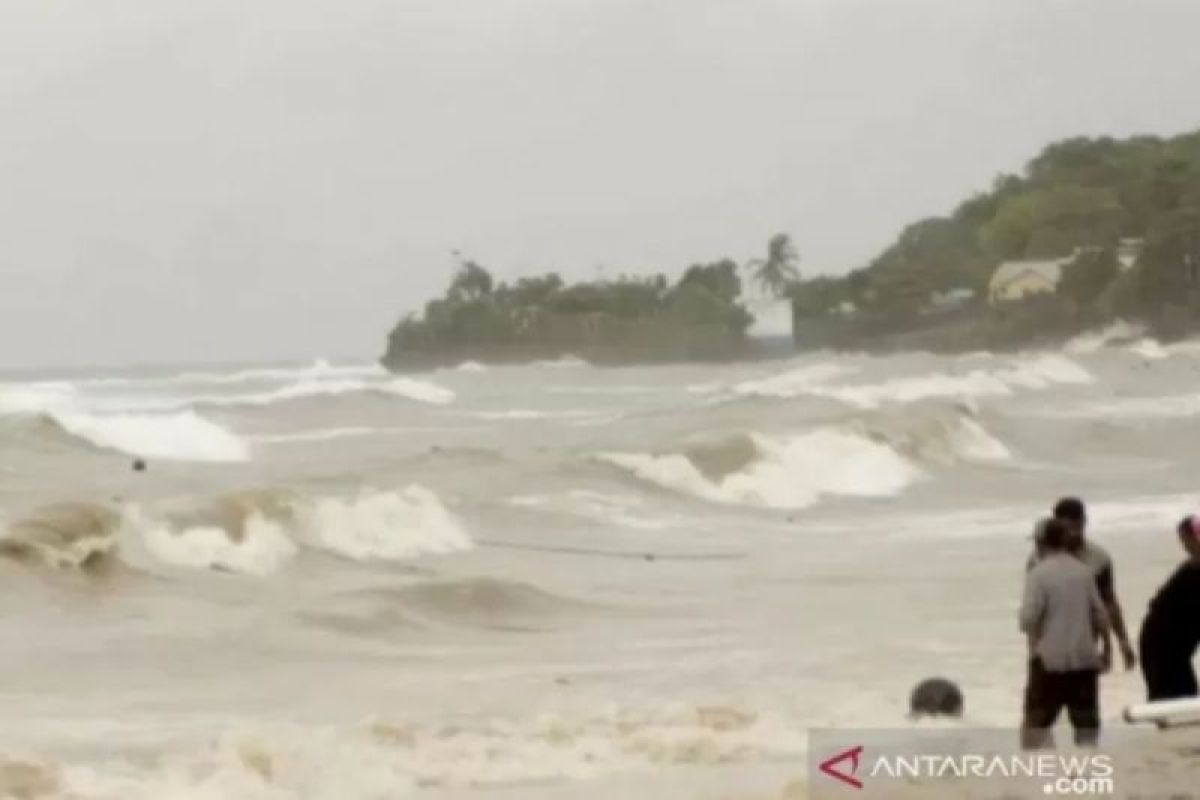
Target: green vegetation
x,y
630,319
1079,201
779,271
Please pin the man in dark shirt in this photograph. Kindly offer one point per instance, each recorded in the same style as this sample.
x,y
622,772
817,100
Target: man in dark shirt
x,y
1171,633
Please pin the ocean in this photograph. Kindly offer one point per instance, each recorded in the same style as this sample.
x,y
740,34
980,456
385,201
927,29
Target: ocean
x,y
550,580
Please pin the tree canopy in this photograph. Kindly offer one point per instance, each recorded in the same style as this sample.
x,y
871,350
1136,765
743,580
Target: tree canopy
x,y
1078,199
699,315
779,270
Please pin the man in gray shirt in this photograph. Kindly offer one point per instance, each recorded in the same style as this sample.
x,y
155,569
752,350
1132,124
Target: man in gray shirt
x,y
1064,618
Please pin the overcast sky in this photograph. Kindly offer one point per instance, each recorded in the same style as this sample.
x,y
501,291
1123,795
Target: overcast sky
x,y
241,180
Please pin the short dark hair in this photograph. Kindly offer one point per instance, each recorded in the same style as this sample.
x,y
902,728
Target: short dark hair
x,y
1055,535
1071,509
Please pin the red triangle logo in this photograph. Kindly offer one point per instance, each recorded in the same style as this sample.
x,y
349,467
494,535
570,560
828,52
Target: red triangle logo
x,y
830,766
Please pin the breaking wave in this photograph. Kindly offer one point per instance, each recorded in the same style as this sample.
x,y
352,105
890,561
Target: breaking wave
x,y
183,436
250,533
57,398
1041,372
797,472
792,383
384,525
318,369
1119,332
1148,348
409,388
817,380
756,470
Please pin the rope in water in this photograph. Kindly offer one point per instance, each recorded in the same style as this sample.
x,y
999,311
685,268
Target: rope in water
x,y
587,551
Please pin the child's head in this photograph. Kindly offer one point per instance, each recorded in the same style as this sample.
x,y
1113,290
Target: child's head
x,y
935,697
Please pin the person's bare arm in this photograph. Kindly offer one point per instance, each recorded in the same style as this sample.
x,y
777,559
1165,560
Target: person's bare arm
x,y
1108,593
1102,629
1033,609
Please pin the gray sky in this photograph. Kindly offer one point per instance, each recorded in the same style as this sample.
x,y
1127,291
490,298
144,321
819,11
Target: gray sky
x,y
237,180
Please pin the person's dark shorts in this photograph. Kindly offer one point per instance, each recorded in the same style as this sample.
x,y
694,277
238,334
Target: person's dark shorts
x,y
1048,693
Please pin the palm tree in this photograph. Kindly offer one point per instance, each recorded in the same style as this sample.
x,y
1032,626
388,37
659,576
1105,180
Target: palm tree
x,y
779,270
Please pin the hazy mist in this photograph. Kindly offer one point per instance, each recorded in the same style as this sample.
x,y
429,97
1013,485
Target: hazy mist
x,y
233,181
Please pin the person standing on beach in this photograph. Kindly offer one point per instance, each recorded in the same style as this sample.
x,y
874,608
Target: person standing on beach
x,y
1171,631
1073,512
1064,618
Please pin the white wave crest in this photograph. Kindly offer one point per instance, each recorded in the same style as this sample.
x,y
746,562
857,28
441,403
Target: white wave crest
x,y
424,391
410,388
260,548
326,435
36,398
1094,341
972,442
184,436
1038,373
610,509
792,383
566,362
384,525
320,368
792,473
1150,349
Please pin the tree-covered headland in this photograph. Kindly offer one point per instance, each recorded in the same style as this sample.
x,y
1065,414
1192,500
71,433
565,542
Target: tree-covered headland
x,y
630,319
1121,218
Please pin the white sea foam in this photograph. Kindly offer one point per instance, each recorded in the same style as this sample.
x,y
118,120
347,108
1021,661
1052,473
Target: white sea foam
x,y
378,760
1161,407
566,362
1094,341
972,442
318,369
324,435
792,383
410,388
786,473
620,510
36,398
183,436
383,525
261,547
1150,349
1040,372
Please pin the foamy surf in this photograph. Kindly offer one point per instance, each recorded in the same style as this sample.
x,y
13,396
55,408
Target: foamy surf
x,y
1093,341
610,509
378,758
781,473
793,383
408,388
249,533
318,369
384,525
1037,373
258,546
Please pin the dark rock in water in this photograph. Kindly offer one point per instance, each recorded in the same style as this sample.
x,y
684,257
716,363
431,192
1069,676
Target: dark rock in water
x,y
936,697
139,465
